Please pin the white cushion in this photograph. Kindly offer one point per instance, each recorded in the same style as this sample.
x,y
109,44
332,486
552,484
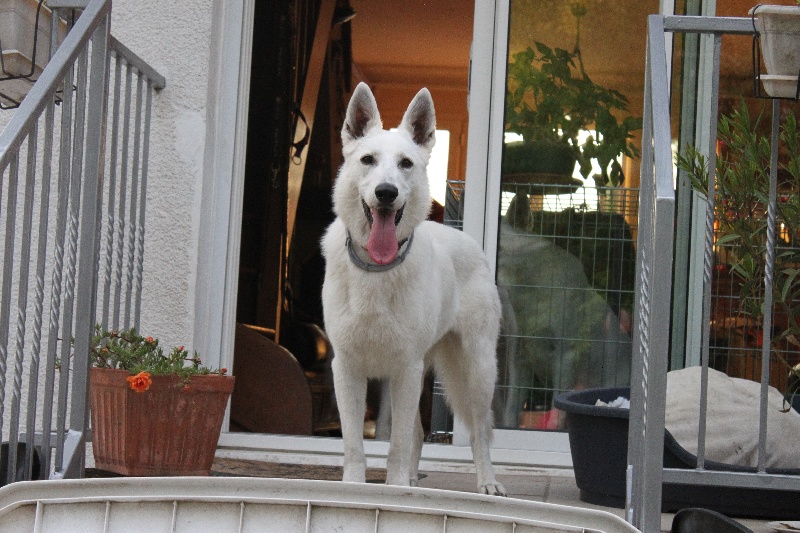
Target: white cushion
x,y
733,419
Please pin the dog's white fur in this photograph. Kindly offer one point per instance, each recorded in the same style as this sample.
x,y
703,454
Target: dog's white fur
x,y
438,307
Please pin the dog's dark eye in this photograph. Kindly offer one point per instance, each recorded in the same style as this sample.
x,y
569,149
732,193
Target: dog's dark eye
x,y
406,163
368,160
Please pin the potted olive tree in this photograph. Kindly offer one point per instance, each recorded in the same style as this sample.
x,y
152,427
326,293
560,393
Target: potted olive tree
x,y
742,188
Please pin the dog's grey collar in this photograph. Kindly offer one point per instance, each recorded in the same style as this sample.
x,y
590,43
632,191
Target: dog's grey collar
x,y
369,267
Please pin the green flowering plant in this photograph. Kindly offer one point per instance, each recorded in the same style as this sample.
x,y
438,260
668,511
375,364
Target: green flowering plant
x,y
143,356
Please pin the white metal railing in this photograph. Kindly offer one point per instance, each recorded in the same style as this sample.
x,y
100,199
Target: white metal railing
x,y
651,290
63,176
654,287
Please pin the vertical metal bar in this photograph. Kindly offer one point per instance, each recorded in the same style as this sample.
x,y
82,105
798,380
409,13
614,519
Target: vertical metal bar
x,y
8,273
638,363
41,260
708,258
64,183
174,524
143,204
38,517
22,302
131,246
107,516
112,192
72,255
769,269
653,289
123,186
684,193
87,268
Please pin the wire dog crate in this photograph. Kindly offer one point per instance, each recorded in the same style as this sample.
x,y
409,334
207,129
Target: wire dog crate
x,y
565,273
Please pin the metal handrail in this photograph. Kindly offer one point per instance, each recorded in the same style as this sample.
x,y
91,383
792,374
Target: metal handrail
x,y
60,131
158,81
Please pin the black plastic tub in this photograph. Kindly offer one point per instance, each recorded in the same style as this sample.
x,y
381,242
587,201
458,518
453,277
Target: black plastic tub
x,y
598,439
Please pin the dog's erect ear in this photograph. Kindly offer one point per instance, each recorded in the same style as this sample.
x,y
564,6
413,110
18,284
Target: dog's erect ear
x,y
420,119
362,114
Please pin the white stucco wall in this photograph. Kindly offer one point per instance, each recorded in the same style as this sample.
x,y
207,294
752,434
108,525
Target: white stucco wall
x,y
174,37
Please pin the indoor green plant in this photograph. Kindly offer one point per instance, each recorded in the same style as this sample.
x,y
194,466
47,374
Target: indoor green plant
x,y
549,100
153,413
742,185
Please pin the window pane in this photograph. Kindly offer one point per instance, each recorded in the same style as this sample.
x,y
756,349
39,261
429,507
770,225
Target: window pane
x,y
566,257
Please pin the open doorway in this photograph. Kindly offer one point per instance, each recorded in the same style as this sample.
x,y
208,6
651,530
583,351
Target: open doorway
x,y
307,57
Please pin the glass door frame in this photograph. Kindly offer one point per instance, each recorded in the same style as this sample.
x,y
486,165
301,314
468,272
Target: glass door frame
x,y
487,84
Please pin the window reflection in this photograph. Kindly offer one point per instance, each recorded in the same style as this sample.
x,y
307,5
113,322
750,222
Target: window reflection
x,y
566,257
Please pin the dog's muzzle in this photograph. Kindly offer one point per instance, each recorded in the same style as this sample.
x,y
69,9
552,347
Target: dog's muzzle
x,y
368,213
382,244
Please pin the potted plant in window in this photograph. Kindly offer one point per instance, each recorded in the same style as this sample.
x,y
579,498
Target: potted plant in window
x,y
153,413
550,100
779,38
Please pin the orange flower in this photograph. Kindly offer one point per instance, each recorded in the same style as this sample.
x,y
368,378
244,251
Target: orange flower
x,y
149,340
140,382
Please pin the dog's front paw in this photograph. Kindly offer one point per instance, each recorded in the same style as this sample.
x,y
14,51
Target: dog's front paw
x,y
493,489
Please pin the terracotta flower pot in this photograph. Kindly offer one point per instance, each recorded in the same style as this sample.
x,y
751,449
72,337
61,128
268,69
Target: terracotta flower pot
x,y
169,429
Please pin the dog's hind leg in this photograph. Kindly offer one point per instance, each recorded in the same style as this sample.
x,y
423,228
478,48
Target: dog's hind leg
x,y
480,441
469,377
416,451
351,397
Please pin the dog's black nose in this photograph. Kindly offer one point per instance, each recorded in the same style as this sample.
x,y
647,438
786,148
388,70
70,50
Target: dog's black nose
x,y
386,193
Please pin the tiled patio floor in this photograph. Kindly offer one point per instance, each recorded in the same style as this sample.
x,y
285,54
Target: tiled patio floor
x,y
548,485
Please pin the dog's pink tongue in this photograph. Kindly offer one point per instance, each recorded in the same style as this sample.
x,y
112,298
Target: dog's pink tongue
x,y
382,243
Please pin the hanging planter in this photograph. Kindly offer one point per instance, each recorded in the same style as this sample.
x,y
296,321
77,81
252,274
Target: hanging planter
x,y
170,429
779,39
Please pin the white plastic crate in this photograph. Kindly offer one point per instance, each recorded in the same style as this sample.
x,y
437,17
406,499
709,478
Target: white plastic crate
x,y
218,505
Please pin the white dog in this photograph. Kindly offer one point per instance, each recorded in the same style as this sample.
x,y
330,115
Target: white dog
x,y
402,294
